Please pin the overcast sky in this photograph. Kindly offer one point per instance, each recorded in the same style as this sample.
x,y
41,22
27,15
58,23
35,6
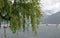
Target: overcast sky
x,y
51,5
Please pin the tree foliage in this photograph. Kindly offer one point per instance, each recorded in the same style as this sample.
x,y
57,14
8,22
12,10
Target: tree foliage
x,y
20,13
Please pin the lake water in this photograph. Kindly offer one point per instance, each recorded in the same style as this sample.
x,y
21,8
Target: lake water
x,y
44,31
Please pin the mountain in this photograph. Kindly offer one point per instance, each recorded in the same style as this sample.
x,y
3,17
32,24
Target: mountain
x,y
48,12
53,19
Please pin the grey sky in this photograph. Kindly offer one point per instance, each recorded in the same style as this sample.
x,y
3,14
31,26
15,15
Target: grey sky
x,y
51,5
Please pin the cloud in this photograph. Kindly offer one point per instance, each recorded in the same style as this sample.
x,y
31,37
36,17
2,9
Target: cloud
x,y
53,5
48,5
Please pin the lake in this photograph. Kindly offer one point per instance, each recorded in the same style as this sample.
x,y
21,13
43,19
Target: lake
x,y
44,31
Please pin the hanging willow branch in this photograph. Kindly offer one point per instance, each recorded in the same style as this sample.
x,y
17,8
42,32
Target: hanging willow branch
x,y
20,12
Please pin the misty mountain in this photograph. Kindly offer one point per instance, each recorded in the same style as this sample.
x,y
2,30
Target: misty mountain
x,y
47,12
53,19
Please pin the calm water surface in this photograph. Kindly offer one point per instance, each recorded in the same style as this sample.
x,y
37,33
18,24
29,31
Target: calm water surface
x,y
44,31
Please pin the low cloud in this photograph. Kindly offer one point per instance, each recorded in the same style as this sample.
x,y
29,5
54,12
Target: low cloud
x,y
53,5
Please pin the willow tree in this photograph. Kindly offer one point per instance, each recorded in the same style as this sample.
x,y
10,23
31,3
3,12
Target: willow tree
x,y
20,14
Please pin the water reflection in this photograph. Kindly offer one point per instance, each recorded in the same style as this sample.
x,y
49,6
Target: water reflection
x,y
50,31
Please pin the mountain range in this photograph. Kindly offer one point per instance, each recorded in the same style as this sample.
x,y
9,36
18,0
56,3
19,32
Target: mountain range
x,y
52,19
